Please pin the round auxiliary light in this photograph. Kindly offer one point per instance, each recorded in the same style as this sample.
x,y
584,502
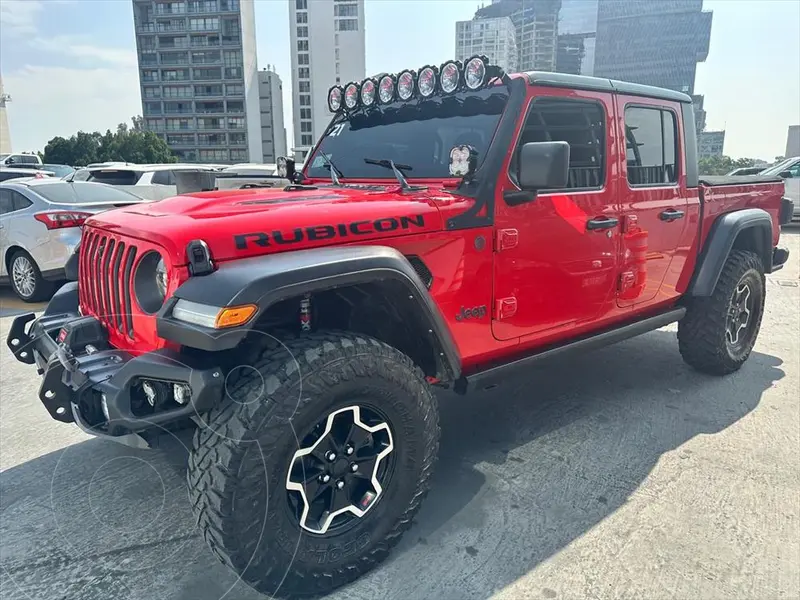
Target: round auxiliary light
x,y
386,89
351,95
335,98
405,85
368,89
449,77
475,73
426,83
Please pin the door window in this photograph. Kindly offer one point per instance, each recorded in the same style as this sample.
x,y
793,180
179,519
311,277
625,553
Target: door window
x,y
19,202
6,203
651,149
579,123
164,178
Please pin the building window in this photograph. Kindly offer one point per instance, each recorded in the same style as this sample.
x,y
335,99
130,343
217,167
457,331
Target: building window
x,y
210,123
337,68
336,39
305,113
302,17
651,146
233,73
175,74
347,25
232,58
302,32
582,125
345,10
305,126
206,57
302,45
302,59
305,86
152,108
338,80
304,73
237,138
179,124
238,155
229,5
234,89
180,139
204,24
235,106
305,100
306,140
177,91
336,53
235,122
152,92
301,4
153,124
199,41
213,155
211,139
213,73
208,90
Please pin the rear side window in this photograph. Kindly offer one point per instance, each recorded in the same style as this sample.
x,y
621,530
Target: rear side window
x,y
651,146
580,123
19,202
115,176
164,178
29,159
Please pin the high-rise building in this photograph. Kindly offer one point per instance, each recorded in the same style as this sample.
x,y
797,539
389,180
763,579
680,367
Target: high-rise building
x,y
273,132
494,38
5,134
536,27
710,143
792,141
328,48
198,77
652,42
577,35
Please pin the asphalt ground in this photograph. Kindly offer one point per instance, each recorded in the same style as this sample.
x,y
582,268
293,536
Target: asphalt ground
x,y
620,473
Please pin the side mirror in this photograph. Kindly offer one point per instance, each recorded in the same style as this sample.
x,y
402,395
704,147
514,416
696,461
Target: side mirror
x,y
785,174
543,165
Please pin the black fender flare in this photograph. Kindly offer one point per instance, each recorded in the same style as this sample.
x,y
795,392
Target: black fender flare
x,y
265,280
720,242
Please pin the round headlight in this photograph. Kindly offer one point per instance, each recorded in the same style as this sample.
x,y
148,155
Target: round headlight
x,y
405,85
475,73
386,89
351,95
335,99
368,92
426,83
449,77
150,282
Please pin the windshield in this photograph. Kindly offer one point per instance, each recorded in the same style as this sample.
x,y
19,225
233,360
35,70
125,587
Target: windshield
x,y
58,170
78,192
418,133
115,176
780,167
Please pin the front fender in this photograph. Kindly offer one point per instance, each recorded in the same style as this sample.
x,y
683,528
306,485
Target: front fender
x,y
266,280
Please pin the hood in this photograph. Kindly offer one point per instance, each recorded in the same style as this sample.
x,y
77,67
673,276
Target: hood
x,y
242,223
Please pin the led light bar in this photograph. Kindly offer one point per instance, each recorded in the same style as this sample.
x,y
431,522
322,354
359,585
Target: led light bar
x,y
451,77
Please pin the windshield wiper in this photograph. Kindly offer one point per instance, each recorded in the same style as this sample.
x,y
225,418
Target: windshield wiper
x,y
396,169
335,171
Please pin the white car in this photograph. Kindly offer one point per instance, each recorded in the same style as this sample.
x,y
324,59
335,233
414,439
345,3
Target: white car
x,y
151,182
789,169
7,160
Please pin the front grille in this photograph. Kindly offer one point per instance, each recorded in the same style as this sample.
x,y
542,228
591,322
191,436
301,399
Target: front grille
x,y
104,279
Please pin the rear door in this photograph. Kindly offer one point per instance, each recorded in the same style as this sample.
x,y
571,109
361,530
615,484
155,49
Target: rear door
x,y
654,202
553,270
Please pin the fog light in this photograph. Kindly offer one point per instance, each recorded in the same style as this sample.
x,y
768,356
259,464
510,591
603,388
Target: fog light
x,y
182,393
149,392
104,406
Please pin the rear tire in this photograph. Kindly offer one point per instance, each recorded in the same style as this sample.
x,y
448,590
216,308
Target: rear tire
x,y
245,456
718,333
26,279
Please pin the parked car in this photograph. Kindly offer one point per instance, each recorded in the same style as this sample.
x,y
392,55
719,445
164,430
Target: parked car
x,y
746,171
153,182
55,170
789,170
7,173
40,226
20,158
427,242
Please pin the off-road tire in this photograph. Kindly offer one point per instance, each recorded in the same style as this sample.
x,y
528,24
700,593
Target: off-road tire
x,y
702,332
242,450
42,290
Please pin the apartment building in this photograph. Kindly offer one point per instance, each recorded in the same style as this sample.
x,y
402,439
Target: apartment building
x,y
327,47
273,132
198,77
494,38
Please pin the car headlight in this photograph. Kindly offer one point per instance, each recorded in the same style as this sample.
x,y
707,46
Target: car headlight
x,y
150,282
213,317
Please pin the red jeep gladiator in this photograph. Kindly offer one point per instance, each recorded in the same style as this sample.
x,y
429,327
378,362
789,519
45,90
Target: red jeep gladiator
x,y
451,222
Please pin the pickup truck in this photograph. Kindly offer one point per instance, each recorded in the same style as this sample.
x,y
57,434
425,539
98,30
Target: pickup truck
x,y
451,223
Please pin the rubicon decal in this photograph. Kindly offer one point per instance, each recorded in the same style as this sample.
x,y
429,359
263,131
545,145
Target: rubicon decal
x,y
324,232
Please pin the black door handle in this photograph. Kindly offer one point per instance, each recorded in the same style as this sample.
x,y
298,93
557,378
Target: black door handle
x,y
671,214
599,223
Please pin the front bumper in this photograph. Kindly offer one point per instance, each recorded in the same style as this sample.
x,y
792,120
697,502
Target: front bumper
x,y
78,380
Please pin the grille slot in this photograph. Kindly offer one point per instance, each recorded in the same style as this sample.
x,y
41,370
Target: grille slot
x,y
106,264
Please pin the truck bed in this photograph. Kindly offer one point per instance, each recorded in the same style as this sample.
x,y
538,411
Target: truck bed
x,y
715,180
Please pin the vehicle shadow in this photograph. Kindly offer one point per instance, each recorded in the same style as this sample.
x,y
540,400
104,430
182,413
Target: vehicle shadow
x,y
525,468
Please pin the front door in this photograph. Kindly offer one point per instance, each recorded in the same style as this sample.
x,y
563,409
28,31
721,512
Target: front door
x,y
555,263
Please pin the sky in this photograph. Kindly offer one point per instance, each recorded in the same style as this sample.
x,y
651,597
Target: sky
x,y
70,65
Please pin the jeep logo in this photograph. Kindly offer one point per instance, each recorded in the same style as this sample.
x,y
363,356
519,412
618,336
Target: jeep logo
x,y
477,312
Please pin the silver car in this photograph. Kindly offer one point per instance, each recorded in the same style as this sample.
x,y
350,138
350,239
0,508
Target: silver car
x,y
789,169
40,226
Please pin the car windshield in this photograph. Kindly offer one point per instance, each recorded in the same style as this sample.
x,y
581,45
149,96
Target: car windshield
x,y
418,133
78,192
115,176
4,156
58,170
780,167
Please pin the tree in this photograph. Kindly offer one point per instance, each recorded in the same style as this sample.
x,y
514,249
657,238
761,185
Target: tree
x,y
720,165
126,144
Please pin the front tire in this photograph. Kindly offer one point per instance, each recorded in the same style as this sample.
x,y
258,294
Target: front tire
x,y
718,333
292,414
26,279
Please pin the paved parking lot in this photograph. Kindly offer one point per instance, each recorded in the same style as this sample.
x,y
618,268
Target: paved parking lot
x,y
620,473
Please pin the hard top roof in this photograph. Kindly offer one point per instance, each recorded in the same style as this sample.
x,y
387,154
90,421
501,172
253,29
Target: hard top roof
x,y
601,84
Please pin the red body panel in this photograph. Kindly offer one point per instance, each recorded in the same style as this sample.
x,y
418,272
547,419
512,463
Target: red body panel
x,y
541,275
